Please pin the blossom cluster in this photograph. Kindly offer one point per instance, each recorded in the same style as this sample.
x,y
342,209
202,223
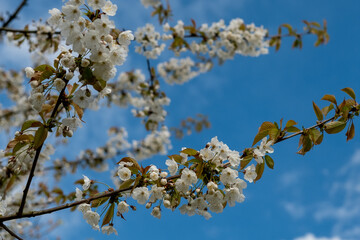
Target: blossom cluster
x,y
13,84
131,88
45,41
198,182
225,41
179,71
148,39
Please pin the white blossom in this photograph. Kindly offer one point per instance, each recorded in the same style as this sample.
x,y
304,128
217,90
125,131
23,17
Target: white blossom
x,y
228,176
109,8
92,218
233,195
181,186
78,194
250,173
109,230
55,19
152,3
188,176
84,207
71,12
141,194
124,173
123,207
87,183
37,100
125,37
96,4
3,207
59,84
172,166
156,212
207,154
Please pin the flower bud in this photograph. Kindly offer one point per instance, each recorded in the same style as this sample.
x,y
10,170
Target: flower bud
x,y
69,133
85,63
69,75
34,84
167,197
163,181
108,38
167,203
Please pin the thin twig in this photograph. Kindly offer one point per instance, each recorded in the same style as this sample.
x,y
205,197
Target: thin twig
x,y
152,77
26,31
13,16
28,183
9,231
10,112
301,132
38,151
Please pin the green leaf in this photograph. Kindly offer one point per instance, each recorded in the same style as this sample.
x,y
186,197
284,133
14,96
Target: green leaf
x,y
350,133
78,110
190,151
290,123
259,171
319,140
314,135
40,136
12,144
199,169
334,127
245,161
98,202
176,157
263,131
318,112
260,136
131,160
292,129
269,161
109,215
327,109
58,191
25,138
99,85
350,92
330,98
127,184
266,126
274,133
46,71
44,67
30,123
306,144
19,146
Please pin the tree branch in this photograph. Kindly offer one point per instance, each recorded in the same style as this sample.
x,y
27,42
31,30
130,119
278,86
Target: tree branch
x,y
9,231
13,16
38,151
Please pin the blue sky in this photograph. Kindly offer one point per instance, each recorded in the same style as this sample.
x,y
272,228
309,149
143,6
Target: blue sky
x,y
315,195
